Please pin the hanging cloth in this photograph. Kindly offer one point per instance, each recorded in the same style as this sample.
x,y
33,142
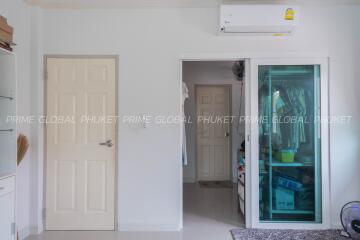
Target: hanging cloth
x,y
185,95
277,108
296,101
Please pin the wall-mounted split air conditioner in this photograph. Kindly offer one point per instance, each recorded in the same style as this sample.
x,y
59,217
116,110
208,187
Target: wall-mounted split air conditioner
x,y
258,19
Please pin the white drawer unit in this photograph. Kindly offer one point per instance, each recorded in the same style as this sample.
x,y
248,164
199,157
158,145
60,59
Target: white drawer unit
x,y
7,208
8,146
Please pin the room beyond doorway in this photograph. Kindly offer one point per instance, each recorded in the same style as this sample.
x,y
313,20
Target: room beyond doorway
x,y
212,139
214,135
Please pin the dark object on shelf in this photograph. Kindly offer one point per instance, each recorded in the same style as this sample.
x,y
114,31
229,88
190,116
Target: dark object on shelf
x,y
305,198
6,46
243,146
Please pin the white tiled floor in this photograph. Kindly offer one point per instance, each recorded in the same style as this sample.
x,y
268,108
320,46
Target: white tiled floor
x,y
209,214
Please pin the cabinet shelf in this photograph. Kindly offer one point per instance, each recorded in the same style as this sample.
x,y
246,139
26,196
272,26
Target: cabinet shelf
x,y
302,212
7,130
6,97
293,164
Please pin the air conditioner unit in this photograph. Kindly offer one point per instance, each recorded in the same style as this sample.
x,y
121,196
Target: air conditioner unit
x,y
258,19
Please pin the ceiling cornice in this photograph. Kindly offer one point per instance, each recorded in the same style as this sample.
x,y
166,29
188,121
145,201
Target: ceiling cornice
x,y
159,4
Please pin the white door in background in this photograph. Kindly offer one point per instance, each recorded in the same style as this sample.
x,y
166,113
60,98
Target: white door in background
x,y
80,173
213,137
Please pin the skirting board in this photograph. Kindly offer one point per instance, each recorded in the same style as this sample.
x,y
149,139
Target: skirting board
x,y
27,231
148,228
189,180
192,180
337,226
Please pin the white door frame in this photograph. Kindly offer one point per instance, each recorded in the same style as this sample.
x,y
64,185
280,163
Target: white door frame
x,y
44,134
229,87
325,163
247,128
248,57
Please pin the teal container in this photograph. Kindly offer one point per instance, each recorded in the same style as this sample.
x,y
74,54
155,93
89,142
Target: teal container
x,y
284,199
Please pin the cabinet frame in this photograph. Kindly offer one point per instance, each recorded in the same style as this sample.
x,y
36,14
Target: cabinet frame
x,y
254,142
9,169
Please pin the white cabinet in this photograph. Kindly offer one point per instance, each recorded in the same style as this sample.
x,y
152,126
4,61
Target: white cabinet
x,y
7,208
289,158
8,134
8,148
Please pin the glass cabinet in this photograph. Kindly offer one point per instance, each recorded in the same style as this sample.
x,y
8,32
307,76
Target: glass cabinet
x,y
289,146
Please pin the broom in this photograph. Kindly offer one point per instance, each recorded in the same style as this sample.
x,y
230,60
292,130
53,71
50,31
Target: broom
x,y
22,147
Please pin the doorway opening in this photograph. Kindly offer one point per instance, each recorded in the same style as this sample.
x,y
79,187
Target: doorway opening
x,y
214,142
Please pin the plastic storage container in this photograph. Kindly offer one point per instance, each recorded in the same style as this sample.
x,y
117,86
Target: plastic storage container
x,y
288,183
284,199
286,155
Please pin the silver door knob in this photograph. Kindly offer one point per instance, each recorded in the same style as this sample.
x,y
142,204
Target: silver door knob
x,y
108,143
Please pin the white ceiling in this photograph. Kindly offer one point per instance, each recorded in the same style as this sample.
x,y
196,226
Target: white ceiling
x,y
109,4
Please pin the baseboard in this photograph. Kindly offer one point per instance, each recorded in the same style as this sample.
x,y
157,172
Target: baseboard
x,y
27,231
336,226
23,233
189,180
148,228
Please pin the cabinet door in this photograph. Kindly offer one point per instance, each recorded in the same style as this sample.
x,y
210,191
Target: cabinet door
x,y
7,216
7,114
7,76
289,141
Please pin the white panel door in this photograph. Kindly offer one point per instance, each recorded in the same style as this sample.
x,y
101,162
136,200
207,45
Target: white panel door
x,y
213,133
80,172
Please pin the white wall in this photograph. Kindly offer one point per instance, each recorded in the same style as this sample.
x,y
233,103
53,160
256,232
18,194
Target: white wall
x,y
20,16
36,151
149,43
343,37
210,73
